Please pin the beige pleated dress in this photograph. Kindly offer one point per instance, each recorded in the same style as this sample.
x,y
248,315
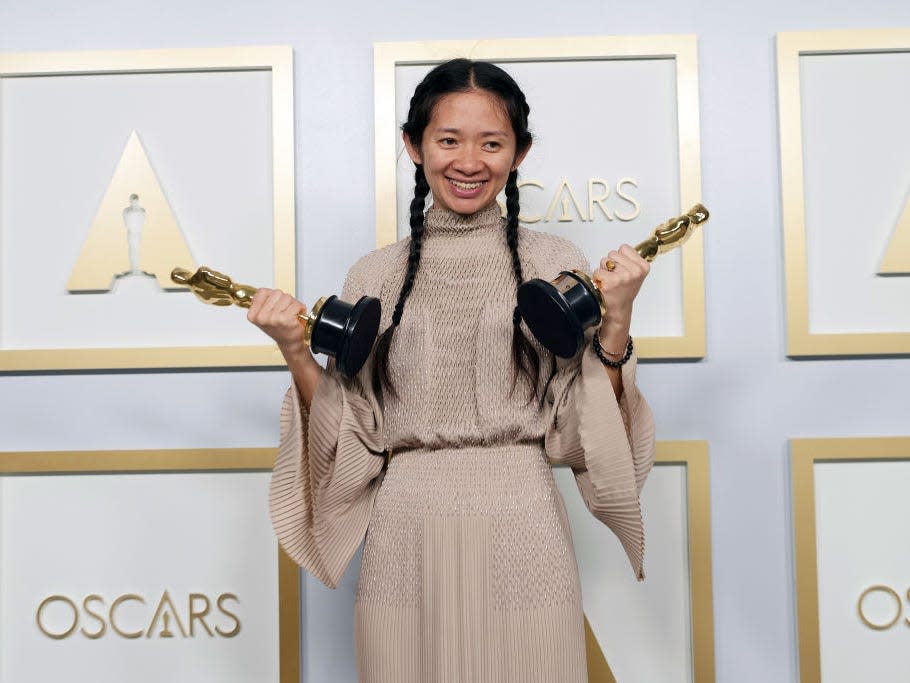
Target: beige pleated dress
x,y
468,572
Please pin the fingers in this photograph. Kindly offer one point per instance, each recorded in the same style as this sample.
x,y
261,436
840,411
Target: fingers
x,y
275,312
634,259
627,258
620,284
622,264
288,306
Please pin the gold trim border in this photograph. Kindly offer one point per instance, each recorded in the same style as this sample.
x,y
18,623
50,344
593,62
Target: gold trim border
x,y
183,460
693,455
804,454
681,48
277,59
790,47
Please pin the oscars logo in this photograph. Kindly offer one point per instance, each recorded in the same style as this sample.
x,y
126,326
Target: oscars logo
x,y
565,207
58,617
134,232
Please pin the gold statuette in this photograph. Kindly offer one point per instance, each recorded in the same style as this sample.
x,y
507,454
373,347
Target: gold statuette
x,y
334,327
558,312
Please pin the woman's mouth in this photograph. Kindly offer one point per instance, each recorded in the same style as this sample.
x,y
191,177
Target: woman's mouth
x,y
466,189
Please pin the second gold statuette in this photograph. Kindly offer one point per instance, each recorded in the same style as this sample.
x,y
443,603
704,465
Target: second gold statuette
x,y
559,311
334,327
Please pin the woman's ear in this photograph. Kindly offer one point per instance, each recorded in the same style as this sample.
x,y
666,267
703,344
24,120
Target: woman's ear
x,y
413,151
521,157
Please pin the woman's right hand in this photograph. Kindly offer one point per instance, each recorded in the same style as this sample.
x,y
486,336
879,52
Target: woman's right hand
x,y
275,313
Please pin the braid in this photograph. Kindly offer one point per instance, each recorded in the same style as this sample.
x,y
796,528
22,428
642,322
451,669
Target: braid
x,y
421,189
512,223
381,376
525,357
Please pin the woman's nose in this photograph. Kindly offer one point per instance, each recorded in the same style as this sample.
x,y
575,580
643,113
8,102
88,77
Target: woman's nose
x,y
468,160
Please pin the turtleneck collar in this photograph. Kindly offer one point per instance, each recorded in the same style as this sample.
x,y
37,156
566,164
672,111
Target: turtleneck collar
x,y
445,221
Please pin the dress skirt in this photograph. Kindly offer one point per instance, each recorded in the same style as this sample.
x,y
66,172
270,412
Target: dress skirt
x,y
468,572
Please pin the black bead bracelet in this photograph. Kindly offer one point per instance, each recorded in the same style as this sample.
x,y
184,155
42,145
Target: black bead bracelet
x,y
598,349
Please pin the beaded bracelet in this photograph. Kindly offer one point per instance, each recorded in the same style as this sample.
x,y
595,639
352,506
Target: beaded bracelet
x,y
598,349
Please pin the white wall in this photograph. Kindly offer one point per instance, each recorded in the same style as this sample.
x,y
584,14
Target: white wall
x,y
745,397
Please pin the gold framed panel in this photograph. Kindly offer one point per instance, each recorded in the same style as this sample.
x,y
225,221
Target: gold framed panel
x,y
182,461
277,60
804,454
680,48
693,455
790,47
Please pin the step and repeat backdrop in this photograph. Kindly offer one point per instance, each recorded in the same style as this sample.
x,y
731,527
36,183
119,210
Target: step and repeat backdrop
x,y
156,565
142,565
847,268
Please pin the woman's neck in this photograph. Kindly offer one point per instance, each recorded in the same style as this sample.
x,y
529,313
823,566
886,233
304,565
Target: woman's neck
x,y
443,220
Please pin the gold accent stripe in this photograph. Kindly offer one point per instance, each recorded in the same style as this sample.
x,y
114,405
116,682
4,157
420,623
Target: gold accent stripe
x,y
142,61
694,455
131,358
284,208
598,668
177,460
289,618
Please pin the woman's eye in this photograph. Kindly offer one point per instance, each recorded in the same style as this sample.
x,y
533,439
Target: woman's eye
x,y
492,145
447,141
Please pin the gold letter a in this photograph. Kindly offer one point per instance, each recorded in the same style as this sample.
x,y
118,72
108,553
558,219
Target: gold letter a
x,y
105,253
897,256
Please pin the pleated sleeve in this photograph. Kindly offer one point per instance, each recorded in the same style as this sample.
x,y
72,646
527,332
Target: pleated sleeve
x,y
609,444
328,469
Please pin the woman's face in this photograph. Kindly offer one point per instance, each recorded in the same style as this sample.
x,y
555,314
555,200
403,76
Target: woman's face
x,y
467,151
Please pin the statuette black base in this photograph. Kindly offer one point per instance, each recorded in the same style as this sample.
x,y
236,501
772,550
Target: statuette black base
x,y
558,312
346,331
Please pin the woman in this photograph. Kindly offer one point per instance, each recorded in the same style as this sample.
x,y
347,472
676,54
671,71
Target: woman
x,y
468,572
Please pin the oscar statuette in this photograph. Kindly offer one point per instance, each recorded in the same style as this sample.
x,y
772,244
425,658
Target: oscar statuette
x,y
558,312
333,327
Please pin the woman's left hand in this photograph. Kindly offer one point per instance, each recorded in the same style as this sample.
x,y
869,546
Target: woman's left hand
x,y
619,288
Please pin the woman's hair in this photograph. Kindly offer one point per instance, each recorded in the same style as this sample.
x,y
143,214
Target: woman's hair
x,y
463,75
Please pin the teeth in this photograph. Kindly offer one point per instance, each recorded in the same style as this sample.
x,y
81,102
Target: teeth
x,y
465,186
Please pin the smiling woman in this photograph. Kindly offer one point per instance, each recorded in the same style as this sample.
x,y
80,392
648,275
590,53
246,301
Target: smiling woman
x,y
468,571
468,151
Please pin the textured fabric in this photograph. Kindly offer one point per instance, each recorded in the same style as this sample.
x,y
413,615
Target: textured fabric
x,y
468,571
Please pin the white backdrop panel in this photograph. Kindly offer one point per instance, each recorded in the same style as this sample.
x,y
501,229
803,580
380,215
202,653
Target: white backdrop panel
x,y
582,133
861,520
115,534
856,151
208,136
634,620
